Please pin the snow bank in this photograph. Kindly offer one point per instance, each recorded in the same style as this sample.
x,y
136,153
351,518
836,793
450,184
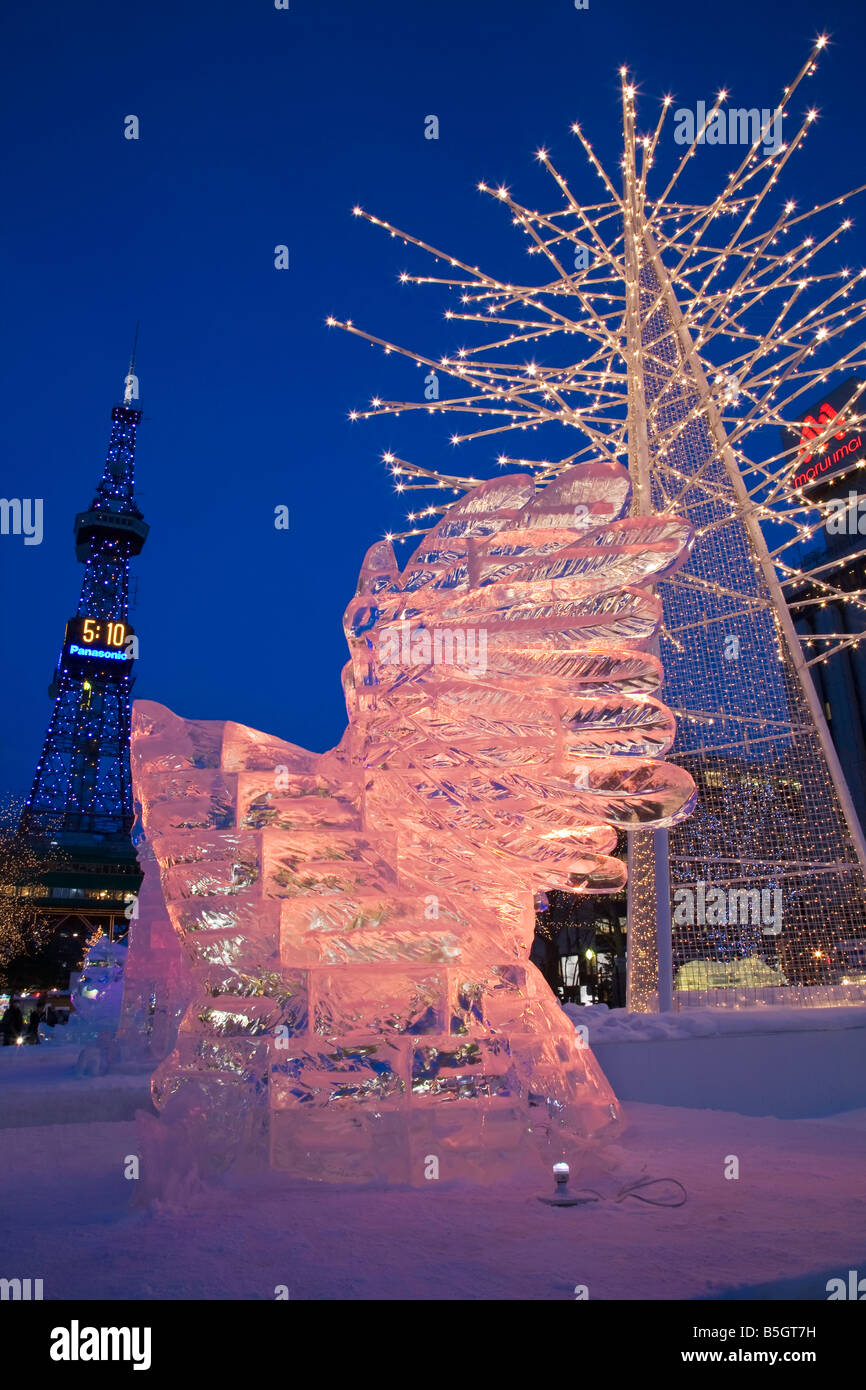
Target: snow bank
x,y
796,1063
40,1086
616,1025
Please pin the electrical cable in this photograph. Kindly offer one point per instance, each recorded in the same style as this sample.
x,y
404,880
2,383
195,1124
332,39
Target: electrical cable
x,y
634,1190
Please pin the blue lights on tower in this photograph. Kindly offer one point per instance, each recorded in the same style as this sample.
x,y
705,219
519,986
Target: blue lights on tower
x,y
82,786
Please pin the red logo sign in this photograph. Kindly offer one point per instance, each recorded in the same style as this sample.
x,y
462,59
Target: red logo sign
x,y
811,428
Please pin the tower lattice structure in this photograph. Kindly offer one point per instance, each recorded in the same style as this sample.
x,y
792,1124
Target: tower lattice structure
x,y
680,333
81,794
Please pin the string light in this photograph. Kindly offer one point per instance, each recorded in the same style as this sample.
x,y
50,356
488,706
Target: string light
x,y
82,781
715,322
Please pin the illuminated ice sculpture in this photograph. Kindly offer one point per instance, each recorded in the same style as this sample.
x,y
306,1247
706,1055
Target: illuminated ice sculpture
x,y
359,921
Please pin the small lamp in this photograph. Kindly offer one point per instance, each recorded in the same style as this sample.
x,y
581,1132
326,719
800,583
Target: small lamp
x,y
562,1193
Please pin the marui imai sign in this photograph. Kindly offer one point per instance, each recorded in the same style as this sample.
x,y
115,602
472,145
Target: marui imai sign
x,y
827,463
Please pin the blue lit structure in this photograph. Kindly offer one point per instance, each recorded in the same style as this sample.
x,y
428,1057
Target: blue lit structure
x,y
80,807
82,783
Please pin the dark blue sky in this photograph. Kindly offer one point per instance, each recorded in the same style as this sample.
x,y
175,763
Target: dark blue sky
x,y
260,127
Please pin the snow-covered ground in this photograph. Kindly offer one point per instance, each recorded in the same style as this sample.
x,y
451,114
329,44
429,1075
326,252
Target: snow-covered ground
x,y
792,1220
41,1086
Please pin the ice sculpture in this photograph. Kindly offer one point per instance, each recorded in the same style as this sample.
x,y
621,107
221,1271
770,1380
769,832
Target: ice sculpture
x,y
359,922
96,991
156,983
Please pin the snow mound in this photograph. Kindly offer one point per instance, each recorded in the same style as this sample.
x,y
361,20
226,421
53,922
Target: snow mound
x,y
617,1025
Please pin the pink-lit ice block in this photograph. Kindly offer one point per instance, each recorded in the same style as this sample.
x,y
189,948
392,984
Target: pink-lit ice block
x,y
156,983
358,923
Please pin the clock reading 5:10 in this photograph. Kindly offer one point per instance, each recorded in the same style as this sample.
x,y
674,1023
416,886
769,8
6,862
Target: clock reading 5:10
x,y
112,634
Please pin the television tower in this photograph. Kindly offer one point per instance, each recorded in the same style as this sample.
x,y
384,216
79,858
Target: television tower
x,y
81,799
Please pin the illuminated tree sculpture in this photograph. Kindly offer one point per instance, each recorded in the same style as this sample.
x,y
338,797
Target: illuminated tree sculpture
x,y
359,922
22,930
680,337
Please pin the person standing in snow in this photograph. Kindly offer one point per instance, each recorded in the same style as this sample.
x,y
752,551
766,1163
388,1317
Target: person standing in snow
x,y
12,1023
33,1021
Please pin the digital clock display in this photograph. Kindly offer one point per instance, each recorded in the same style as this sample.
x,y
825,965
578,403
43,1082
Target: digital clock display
x,y
101,639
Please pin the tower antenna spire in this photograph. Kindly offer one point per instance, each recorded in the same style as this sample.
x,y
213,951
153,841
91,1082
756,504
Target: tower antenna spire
x,y
130,385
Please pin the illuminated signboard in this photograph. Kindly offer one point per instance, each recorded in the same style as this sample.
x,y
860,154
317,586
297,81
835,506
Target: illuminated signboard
x,y
99,639
817,467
